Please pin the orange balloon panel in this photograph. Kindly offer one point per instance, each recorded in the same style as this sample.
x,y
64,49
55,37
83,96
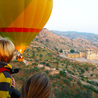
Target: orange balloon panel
x,y
22,20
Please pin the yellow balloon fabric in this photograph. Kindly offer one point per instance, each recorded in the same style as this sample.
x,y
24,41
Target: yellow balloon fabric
x,y
22,20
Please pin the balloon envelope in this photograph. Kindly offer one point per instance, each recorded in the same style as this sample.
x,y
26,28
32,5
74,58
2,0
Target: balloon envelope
x,y
22,20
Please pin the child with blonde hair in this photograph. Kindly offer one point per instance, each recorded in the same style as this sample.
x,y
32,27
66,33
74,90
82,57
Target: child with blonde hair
x,y
7,83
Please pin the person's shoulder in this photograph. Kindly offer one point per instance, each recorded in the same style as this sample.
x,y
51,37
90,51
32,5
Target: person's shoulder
x,y
6,74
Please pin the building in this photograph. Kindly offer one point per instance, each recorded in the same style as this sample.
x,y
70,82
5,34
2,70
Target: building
x,y
88,54
91,53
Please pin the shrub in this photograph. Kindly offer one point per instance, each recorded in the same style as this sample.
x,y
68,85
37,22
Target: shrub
x,y
41,55
20,68
47,72
55,48
34,63
86,68
53,85
23,79
91,75
66,81
43,63
72,50
27,77
41,41
51,77
47,64
36,60
79,83
70,78
63,73
61,51
43,68
82,70
91,87
47,40
57,93
57,76
36,69
27,66
15,61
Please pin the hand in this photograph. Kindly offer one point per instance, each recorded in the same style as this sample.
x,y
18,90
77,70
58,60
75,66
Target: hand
x,y
13,82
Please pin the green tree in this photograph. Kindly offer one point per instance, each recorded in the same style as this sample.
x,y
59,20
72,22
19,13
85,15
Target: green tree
x,y
72,50
61,51
47,40
47,64
55,48
41,55
86,68
47,72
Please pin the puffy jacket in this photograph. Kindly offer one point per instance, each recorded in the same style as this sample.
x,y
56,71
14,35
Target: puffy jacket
x,y
6,87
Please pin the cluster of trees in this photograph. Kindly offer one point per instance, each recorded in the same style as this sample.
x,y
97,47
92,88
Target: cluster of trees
x,y
65,93
92,82
72,51
91,88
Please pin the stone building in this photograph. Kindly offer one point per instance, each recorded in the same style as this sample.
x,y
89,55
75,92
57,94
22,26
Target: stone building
x,y
91,53
88,54
77,54
73,55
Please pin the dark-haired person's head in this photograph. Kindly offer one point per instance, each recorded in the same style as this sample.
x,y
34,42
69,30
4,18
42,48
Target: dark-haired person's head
x,y
6,50
37,86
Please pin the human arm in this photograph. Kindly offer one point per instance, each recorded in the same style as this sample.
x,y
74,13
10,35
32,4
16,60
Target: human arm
x,y
13,82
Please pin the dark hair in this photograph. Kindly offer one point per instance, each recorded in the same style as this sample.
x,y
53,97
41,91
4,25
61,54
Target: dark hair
x,y
37,86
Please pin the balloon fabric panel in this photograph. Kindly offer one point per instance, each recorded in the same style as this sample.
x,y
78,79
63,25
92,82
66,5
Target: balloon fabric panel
x,y
22,20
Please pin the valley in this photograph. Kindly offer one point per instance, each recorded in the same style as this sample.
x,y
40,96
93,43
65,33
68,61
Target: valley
x,y
70,77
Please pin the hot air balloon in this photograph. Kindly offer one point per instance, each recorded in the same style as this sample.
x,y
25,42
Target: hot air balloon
x,y
22,20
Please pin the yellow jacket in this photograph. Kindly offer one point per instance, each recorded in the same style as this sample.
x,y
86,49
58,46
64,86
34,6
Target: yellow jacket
x,y
6,87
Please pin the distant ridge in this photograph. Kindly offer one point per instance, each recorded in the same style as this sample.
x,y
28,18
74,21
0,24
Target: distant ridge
x,y
74,34
57,40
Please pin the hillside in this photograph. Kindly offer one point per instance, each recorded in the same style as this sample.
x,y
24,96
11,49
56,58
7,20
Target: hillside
x,y
69,79
74,35
57,42
68,83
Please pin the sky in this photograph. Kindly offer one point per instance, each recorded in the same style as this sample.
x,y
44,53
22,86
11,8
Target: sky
x,y
74,15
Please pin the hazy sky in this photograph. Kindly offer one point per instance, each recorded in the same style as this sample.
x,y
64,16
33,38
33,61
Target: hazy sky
x,y
74,15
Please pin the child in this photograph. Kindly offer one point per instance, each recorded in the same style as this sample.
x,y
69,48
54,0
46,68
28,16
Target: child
x,y
37,86
7,83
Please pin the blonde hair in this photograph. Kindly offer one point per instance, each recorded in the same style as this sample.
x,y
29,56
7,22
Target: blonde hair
x,y
6,50
37,86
